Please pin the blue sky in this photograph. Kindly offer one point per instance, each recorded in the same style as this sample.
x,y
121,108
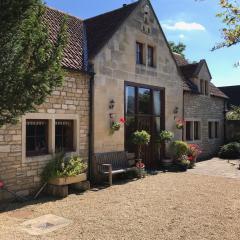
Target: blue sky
x,y
189,21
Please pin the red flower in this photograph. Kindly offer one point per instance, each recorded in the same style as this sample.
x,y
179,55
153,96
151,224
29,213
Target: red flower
x,y
140,165
122,120
190,158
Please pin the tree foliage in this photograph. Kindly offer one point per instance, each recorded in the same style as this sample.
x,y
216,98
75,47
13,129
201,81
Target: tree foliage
x,y
231,18
178,48
234,113
30,64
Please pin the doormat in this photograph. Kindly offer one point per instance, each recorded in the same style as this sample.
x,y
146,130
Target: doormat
x,y
44,224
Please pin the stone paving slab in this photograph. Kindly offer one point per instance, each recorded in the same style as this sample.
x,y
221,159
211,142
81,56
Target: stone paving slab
x,y
218,167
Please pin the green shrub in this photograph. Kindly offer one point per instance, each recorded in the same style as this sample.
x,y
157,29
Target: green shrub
x,y
178,149
141,138
165,136
230,151
63,167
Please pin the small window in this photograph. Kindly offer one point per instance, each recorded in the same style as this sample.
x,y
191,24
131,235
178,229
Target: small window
x,y
189,131
216,129
193,130
210,130
150,56
206,87
213,129
139,53
64,135
36,137
196,130
201,86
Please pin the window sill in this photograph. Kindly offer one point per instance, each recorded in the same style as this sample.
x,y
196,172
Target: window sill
x,y
40,158
194,141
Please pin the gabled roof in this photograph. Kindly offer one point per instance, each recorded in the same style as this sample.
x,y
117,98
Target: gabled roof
x,y
190,71
75,53
101,28
233,92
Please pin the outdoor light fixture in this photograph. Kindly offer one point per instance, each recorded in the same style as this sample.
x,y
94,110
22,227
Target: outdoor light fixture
x,y
111,104
175,111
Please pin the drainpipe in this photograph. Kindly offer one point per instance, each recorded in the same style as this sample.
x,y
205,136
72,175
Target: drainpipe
x,y
91,127
183,115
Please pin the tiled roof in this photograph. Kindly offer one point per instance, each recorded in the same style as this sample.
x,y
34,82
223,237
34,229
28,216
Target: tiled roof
x,y
75,52
191,70
179,59
101,28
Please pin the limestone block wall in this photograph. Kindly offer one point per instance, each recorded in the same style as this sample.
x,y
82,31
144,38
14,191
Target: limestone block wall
x,y
205,108
116,63
22,174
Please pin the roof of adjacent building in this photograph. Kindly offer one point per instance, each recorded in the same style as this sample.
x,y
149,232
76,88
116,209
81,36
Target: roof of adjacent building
x,y
191,70
101,28
233,92
74,56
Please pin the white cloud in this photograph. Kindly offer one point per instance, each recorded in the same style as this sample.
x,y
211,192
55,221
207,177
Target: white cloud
x,y
184,26
181,36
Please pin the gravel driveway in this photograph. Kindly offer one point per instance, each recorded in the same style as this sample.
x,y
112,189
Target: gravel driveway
x,y
164,206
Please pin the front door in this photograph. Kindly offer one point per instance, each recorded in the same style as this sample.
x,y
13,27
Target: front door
x,y
144,110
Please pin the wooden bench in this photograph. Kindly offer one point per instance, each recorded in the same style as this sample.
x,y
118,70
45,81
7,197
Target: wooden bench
x,y
111,163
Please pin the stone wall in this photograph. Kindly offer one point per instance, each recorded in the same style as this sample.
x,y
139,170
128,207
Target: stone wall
x,y
22,174
205,108
116,63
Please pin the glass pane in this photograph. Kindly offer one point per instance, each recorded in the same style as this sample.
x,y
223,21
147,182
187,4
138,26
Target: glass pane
x,y
216,129
30,144
157,125
188,131
196,130
130,127
64,135
130,100
210,130
144,102
30,130
157,102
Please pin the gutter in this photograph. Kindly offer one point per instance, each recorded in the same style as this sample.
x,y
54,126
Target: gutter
x,y
91,127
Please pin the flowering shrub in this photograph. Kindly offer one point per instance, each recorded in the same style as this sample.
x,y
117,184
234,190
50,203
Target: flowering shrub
x,y
180,123
140,169
194,150
140,165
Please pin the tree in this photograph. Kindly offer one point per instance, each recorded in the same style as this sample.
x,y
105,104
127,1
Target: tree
x,y
231,18
234,113
30,64
178,48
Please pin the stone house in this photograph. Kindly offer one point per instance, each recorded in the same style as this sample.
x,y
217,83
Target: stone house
x,y
117,64
204,107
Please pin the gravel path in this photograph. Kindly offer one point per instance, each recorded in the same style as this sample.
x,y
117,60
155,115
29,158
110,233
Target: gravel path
x,y
164,206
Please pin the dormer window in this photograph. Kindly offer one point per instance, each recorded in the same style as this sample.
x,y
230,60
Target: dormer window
x,y
204,87
201,86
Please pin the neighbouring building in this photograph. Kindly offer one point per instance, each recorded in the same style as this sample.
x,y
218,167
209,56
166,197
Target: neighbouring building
x,y
204,107
117,64
233,92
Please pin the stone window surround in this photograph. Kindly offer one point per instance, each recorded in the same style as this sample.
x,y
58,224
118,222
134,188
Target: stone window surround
x,y
147,44
51,134
219,130
200,132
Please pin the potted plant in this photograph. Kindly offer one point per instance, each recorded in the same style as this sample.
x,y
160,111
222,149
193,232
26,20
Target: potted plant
x,y
193,152
183,163
116,125
64,171
179,124
140,138
163,138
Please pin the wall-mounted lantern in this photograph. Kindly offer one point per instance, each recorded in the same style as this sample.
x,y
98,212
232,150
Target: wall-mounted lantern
x,y
111,104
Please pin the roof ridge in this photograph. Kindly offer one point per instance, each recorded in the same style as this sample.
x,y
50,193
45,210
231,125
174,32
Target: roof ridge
x,y
112,11
70,15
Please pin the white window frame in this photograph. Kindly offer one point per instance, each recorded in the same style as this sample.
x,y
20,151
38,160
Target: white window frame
x,y
192,120
219,129
51,133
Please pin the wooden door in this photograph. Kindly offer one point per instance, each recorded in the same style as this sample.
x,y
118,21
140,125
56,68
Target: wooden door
x,y
144,110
